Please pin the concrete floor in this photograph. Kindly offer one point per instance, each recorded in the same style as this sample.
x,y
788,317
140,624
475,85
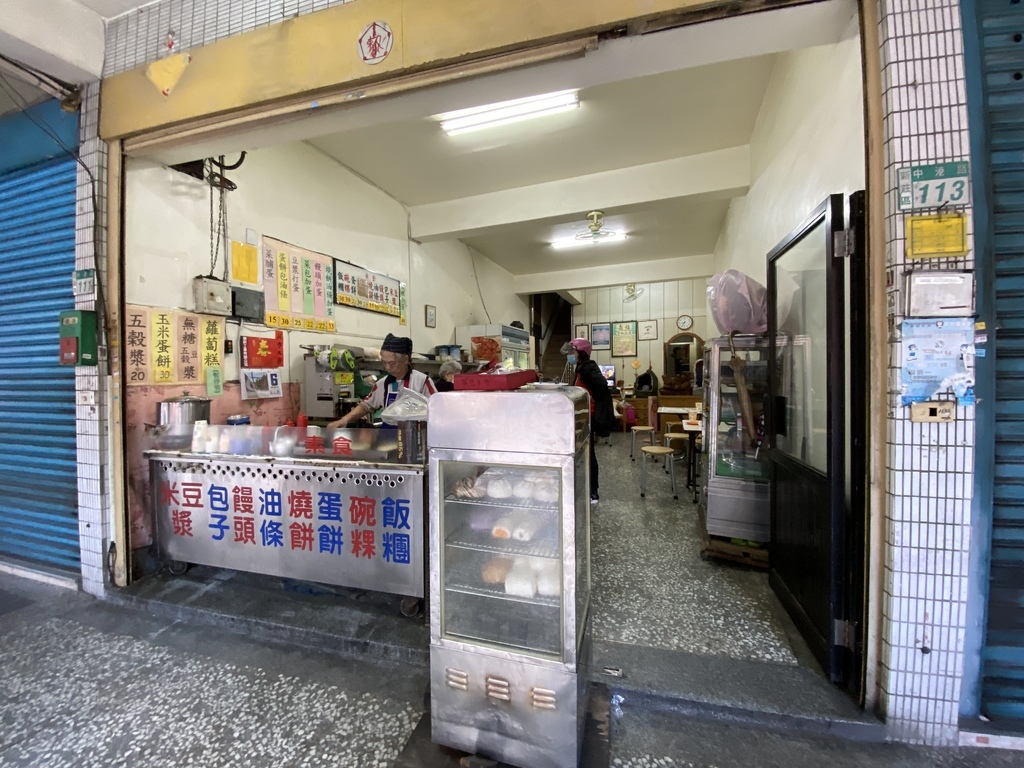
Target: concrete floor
x,y
694,665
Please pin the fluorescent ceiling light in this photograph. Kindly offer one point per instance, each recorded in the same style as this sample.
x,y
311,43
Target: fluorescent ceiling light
x,y
505,112
574,242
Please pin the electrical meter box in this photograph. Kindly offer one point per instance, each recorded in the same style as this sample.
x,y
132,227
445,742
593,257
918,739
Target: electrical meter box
x,y
212,296
78,337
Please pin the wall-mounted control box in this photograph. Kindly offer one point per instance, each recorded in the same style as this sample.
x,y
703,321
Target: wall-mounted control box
x,y
212,296
941,410
78,337
247,304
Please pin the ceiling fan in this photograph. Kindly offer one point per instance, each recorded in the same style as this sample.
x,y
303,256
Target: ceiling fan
x,y
595,231
632,293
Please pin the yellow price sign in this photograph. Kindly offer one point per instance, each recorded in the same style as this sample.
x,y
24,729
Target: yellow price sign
x,y
309,324
330,326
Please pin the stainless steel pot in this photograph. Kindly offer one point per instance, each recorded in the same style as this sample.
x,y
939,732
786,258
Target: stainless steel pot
x,y
183,410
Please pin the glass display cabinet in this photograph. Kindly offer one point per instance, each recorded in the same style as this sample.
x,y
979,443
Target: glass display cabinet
x,y
736,469
510,572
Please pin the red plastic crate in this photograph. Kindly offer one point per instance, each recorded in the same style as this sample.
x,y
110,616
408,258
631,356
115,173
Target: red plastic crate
x,y
496,381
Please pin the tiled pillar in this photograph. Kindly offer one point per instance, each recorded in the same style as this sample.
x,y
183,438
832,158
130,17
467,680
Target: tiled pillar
x,y
930,466
94,482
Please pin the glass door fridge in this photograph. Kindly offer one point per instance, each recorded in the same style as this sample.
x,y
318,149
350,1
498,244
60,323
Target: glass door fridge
x,y
510,572
736,387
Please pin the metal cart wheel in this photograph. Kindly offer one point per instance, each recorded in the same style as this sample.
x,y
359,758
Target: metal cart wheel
x,y
177,567
410,606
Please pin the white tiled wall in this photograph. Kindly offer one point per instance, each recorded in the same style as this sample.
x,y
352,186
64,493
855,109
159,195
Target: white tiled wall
x,y
930,466
94,480
142,35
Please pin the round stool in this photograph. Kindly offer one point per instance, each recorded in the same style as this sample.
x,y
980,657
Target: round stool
x,y
669,438
632,444
657,451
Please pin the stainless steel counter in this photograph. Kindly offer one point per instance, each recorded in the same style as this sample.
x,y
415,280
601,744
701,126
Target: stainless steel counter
x,y
351,522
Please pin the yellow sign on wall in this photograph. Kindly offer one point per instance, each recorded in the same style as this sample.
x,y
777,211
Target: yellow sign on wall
x,y
935,236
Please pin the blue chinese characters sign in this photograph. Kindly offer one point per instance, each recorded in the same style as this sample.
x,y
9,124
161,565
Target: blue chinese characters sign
x,y
351,526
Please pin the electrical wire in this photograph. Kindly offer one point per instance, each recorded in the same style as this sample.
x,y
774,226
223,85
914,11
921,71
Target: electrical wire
x,y
472,260
101,309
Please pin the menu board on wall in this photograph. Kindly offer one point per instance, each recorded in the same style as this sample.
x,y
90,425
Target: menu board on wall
x,y
356,286
163,346
297,285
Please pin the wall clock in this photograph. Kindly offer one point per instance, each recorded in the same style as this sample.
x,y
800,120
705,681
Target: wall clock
x,y
684,322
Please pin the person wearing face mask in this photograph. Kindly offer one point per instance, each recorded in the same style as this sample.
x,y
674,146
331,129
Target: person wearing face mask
x,y
395,353
602,411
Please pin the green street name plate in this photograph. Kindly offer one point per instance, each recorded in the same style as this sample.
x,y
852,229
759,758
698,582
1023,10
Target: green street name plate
x,y
929,186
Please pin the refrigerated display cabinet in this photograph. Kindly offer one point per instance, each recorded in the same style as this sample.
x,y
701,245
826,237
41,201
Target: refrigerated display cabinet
x,y
736,469
510,572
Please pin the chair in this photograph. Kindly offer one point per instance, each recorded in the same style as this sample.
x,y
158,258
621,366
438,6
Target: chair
x,y
678,440
656,451
648,432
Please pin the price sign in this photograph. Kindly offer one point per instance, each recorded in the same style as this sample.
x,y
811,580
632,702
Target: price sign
x,y
929,186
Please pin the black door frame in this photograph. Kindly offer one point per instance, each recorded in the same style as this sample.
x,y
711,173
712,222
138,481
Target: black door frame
x,y
837,641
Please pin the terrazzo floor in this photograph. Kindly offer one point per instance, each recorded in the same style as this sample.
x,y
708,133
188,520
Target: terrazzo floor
x,y
76,691
650,586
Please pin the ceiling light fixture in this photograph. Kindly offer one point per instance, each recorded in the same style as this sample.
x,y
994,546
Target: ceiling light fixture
x,y
505,112
594,234
572,242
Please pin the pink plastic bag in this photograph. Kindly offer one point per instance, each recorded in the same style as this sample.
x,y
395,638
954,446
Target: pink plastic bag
x,y
738,303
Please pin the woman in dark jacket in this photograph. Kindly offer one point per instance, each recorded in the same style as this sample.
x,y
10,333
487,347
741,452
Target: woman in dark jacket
x,y
602,412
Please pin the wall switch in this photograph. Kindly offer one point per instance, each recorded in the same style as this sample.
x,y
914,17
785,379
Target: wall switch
x,y
933,411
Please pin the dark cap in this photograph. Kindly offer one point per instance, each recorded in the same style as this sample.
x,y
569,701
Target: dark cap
x,y
400,345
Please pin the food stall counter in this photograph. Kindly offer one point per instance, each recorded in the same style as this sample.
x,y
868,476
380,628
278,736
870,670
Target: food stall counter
x,y
331,506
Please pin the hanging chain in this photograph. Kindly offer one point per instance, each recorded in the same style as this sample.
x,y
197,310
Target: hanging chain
x,y
218,229
213,234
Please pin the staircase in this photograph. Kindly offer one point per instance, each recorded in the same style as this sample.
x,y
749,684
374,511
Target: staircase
x,y
553,362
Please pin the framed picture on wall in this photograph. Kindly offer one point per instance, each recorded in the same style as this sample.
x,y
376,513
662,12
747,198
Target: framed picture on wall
x,y
624,339
582,332
601,335
431,316
647,330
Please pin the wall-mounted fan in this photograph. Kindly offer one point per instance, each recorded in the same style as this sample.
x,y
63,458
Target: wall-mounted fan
x,y
632,293
595,231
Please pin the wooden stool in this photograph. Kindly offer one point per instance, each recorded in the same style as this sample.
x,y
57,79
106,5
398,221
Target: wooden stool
x,y
656,450
649,431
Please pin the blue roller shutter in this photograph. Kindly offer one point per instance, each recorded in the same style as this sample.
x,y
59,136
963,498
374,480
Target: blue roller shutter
x,y
1001,27
38,468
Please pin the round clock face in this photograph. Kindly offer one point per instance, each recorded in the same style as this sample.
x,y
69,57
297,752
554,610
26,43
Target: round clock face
x,y
684,322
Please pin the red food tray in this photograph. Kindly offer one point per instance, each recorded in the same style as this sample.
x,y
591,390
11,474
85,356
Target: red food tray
x,y
494,380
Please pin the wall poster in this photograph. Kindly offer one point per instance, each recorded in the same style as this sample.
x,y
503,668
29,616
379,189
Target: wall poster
x,y
356,286
624,339
164,346
601,335
938,358
297,287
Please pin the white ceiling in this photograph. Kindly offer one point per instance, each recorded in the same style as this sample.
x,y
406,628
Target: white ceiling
x,y
659,143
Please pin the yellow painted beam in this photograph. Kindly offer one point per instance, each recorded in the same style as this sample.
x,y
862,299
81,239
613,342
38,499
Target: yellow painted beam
x,y
296,56
319,52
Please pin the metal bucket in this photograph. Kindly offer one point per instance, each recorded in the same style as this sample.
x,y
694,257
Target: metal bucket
x,y
412,442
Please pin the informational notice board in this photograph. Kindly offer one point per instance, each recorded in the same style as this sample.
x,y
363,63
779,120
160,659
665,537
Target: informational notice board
x,y
297,287
164,346
357,286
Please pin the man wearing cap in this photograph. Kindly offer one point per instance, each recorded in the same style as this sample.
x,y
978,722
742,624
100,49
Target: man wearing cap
x,y
395,353
602,411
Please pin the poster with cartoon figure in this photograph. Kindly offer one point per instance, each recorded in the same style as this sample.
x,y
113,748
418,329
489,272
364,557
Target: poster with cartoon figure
x,y
938,358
